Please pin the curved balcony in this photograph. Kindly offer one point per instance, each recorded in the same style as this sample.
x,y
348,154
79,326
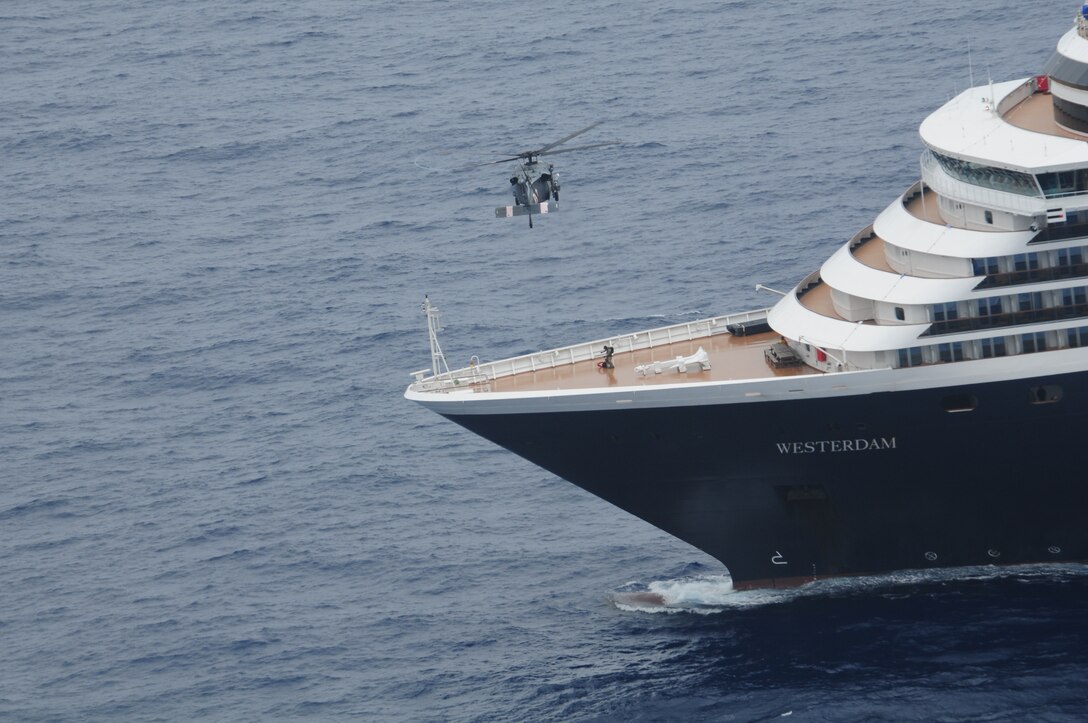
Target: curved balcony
x,y
791,318
912,222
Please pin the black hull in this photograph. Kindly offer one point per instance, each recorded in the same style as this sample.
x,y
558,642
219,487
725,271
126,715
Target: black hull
x,y
784,491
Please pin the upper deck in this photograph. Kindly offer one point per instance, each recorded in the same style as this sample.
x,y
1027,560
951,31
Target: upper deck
x,y
1036,113
1004,126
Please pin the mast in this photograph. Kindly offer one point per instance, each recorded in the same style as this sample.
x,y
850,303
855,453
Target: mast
x,y
438,359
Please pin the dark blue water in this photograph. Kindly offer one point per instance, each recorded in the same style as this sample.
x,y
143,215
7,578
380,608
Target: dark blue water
x,y
217,221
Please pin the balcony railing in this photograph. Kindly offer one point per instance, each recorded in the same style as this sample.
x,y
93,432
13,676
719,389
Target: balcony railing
x,y
1061,232
1033,276
997,321
1024,91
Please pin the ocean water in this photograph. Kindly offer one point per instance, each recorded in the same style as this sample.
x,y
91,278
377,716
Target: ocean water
x,y
218,222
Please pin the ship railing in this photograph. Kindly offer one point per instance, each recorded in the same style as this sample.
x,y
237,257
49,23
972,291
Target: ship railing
x,y
1021,93
1061,232
862,237
479,375
809,283
1034,276
945,185
916,189
1007,320
1066,194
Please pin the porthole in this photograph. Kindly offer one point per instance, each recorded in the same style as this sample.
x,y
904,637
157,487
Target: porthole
x,y
954,403
1045,394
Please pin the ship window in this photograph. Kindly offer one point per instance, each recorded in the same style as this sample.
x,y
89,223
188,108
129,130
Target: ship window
x,y
950,352
1046,394
990,217
1031,343
960,403
993,347
1029,302
977,174
990,306
1078,337
900,314
910,357
1063,183
1074,296
987,265
946,312
1071,257
1023,262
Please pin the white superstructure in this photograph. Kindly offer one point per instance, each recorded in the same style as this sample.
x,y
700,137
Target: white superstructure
x,y
985,256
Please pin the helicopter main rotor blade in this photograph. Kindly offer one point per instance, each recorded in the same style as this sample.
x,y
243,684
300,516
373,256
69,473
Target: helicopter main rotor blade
x,y
494,163
518,157
578,148
546,150
563,140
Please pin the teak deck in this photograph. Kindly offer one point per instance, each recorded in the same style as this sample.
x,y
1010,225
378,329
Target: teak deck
x,y
731,357
1036,113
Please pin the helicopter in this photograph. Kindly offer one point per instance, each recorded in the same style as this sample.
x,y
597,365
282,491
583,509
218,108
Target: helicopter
x,y
535,189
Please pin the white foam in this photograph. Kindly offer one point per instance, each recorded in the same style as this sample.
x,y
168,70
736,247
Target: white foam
x,y
703,594
709,594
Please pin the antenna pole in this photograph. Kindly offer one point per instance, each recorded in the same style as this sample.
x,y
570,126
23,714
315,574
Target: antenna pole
x,y
922,185
970,63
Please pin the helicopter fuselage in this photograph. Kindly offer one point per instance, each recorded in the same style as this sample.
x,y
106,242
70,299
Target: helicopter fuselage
x,y
531,184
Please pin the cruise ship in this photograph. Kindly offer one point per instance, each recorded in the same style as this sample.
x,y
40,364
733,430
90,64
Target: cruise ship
x,y
914,403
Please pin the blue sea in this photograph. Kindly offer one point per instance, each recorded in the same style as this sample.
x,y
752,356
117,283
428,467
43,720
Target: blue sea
x,y
217,223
